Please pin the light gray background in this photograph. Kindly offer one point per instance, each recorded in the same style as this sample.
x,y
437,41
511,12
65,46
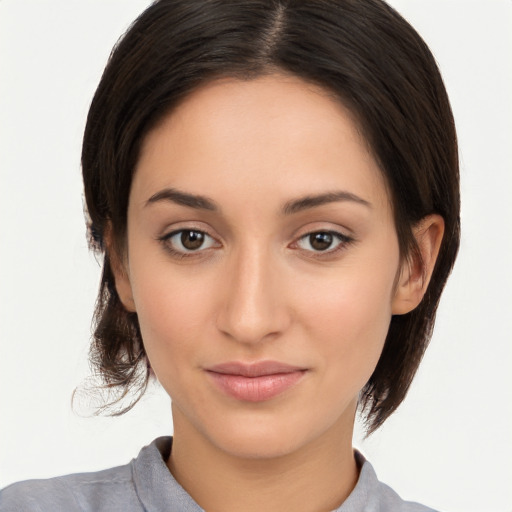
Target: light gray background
x,y
449,445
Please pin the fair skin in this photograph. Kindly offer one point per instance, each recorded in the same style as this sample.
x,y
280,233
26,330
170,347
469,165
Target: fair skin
x,y
252,272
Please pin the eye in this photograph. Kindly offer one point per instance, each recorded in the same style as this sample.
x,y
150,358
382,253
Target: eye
x,y
188,240
322,241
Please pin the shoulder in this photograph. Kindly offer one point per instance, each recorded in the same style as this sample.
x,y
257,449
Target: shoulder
x,y
390,501
143,484
371,495
108,490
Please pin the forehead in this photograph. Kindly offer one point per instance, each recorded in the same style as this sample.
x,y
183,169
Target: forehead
x,y
275,133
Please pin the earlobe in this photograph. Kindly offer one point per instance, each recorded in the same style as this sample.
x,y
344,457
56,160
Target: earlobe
x,y
417,269
119,270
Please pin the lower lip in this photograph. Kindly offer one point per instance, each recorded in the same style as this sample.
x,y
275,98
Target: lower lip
x,y
256,389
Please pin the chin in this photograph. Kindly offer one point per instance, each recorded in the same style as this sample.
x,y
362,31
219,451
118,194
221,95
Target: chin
x,y
262,438
258,445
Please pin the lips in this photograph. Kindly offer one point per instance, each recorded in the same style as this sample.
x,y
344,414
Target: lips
x,y
255,382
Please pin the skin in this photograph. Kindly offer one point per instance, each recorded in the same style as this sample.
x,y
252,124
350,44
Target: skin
x,y
258,290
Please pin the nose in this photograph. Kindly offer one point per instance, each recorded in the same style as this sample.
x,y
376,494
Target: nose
x,y
253,306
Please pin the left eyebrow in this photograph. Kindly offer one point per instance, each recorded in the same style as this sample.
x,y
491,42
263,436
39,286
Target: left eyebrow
x,y
184,199
312,201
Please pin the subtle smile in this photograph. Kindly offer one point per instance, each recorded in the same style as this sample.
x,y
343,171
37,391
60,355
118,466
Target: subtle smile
x,y
256,382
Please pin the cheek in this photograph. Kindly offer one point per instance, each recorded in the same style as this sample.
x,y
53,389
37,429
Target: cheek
x,y
349,318
171,309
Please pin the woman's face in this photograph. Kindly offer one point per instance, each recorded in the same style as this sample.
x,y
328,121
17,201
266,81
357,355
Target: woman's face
x,y
261,261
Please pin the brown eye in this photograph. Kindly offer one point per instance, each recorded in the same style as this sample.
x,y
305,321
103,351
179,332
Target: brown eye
x,y
188,240
192,240
321,241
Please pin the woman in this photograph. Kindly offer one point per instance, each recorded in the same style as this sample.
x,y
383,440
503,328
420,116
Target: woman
x,y
274,186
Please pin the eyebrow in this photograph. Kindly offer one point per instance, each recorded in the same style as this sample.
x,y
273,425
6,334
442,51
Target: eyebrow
x,y
313,201
183,199
294,206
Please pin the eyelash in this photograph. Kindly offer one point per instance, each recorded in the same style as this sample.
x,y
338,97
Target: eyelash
x,y
343,242
166,240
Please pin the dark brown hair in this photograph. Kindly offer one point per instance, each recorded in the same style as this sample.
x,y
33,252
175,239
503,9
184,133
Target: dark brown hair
x,y
364,53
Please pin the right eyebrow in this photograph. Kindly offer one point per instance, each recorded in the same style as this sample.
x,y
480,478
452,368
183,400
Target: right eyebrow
x,y
312,201
184,199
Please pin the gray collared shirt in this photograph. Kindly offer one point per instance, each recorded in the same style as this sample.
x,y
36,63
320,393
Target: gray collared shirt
x,y
146,485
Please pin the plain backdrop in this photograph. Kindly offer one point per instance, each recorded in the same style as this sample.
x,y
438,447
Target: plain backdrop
x,y
449,445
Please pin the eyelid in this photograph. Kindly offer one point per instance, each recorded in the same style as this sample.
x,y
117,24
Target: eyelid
x,y
343,241
173,234
165,240
191,225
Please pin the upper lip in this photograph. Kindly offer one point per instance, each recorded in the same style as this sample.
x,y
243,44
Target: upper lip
x,y
257,369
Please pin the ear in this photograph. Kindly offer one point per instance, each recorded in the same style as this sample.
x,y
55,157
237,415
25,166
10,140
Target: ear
x,y
119,265
417,269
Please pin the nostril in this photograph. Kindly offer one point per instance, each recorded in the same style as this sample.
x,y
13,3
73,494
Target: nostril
x,y
252,322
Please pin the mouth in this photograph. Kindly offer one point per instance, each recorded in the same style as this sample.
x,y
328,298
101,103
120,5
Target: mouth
x,y
255,382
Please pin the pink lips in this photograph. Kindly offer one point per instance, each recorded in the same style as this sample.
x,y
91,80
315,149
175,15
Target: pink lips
x,y
255,382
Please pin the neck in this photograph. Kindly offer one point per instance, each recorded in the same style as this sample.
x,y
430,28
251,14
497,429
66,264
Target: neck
x,y
317,477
